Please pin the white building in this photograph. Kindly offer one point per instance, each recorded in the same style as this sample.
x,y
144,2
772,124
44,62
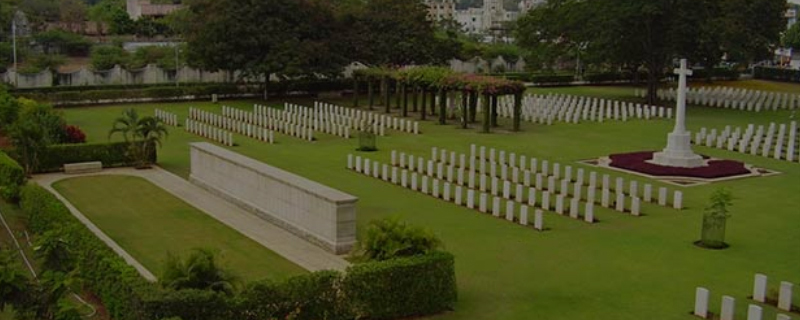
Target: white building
x,y
439,10
471,20
143,8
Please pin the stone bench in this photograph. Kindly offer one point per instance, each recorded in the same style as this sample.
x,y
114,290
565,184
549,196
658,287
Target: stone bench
x,y
83,167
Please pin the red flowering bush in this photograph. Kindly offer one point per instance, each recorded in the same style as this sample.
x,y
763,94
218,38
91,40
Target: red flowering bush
x,y
638,162
74,135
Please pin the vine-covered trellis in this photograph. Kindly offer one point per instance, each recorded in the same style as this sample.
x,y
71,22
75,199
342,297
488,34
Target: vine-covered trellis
x,y
419,87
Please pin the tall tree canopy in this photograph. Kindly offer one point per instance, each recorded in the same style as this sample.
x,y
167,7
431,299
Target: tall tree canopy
x,y
262,38
651,33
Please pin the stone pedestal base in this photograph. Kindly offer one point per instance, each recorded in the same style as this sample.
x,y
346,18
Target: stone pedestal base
x,y
678,153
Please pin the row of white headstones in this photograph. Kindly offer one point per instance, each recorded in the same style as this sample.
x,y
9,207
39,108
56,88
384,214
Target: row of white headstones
x,y
167,118
522,176
207,131
732,98
363,120
780,145
754,312
545,109
444,190
233,125
271,119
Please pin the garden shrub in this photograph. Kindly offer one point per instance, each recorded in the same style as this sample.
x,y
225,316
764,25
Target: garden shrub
x,y
402,287
12,177
390,289
112,155
389,238
74,135
775,74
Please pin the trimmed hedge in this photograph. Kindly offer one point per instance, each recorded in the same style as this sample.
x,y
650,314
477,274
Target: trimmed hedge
x,y
397,288
775,74
170,91
112,155
402,287
12,177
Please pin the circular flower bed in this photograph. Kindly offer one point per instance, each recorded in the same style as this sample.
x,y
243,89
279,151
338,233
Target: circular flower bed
x,y
637,162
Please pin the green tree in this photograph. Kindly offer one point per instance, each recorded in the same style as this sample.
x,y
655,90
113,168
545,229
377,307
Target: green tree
x,y
378,35
143,134
650,34
13,281
715,219
389,238
199,271
286,37
106,57
31,137
73,13
53,250
791,39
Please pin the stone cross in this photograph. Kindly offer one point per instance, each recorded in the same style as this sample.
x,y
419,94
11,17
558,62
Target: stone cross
x,y
678,152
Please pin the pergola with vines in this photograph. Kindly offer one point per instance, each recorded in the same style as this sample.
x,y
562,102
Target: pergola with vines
x,y
419,87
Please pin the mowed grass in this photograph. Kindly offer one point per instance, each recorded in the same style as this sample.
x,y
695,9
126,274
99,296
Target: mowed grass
x,y
149,222
621,268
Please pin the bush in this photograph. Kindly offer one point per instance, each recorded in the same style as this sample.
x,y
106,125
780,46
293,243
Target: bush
x,y
107,56
74,135
12,178
307,297
112,155
402,287
9,109
41,62
785,75
396,288
389,238
551,79
63,42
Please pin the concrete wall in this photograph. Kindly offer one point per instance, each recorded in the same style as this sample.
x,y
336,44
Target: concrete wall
x,y
318,213
152,74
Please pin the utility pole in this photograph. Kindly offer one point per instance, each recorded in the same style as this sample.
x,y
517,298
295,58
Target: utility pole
x,y
14,44
177,66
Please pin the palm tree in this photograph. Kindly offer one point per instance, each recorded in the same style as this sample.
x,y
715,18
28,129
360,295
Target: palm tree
x,y
141,133
199,271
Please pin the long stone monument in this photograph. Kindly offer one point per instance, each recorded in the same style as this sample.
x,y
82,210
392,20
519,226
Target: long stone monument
x,y
679,149
317,213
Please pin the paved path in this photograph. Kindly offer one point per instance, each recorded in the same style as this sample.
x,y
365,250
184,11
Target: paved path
x,y
284,243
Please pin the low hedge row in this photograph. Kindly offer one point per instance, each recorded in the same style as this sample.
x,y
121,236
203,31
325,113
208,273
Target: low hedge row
x,y
775,74
160,91
112,155
12,176
389,289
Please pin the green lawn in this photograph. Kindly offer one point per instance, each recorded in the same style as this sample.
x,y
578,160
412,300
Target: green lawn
x,y
148,222
622,268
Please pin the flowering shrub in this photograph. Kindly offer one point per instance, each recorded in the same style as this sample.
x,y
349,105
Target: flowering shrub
x,y
74,135
444,78
638,162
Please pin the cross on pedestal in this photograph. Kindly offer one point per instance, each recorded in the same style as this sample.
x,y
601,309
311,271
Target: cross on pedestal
x,y
679,149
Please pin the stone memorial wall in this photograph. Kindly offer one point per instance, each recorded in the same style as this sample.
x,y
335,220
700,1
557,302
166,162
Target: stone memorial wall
x,y
319,214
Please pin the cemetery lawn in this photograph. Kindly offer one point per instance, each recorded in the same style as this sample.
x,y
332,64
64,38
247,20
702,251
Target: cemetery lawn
x,y
621,268
148,222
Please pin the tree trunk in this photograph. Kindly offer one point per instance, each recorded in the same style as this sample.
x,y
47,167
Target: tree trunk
x,y
388,97
517,111
404,89
652,85
397,95
442,106
355,93
494,111
422,111
464,109
486,114
473,112
371,94
433,103
415,92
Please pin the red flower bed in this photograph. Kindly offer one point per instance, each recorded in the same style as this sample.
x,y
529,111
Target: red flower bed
x,y
74,134
637,162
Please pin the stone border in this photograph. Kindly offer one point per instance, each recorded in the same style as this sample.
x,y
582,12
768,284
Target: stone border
x,y
605,162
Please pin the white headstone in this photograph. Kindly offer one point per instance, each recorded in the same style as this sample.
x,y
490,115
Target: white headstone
x,y
701,303
538,220
523,215
785,296
754,312
470,198
760,288
496,207
728,308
